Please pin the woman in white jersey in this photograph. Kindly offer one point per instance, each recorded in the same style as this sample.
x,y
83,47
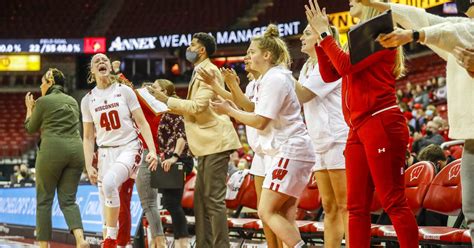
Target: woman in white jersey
x,y
328,131
281,134
246,101
110,112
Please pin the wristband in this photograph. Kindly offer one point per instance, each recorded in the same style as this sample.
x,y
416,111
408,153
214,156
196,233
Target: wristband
x,y
324,34
416,35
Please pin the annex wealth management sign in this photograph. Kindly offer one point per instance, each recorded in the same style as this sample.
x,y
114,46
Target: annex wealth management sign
x,y
119,44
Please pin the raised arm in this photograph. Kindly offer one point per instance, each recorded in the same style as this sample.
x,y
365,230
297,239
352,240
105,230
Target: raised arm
x,y
248,118
341,60
34,113
233,83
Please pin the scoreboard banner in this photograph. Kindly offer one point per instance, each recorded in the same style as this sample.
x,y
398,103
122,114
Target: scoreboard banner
x,y
53,46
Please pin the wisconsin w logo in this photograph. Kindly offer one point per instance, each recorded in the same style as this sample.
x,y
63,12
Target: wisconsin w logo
x,y
279,174
454,171
416,172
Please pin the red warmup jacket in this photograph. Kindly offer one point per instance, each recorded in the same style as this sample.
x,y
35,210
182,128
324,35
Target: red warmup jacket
x,y
367,87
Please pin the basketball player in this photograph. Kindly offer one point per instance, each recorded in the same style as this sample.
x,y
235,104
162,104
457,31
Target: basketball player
x,y
110,111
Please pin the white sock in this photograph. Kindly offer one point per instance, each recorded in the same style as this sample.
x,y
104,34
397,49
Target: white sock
x,y
300,244
112,232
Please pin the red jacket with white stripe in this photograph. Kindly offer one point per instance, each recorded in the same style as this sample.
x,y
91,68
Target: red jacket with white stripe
x,y
367,87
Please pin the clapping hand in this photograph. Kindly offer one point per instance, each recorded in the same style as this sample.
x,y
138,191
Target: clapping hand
x,y
465,58
230,78
116,66
317,18
222,106
29,101
208,76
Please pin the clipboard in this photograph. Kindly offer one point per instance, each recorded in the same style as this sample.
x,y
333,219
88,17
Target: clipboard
x,y
156,106
173,179
361,38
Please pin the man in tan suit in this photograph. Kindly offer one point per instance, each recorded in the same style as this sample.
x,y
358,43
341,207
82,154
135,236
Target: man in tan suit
x,y
212,138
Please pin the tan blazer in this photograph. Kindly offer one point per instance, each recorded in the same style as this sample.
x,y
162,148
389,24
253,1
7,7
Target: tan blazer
x,y
207,132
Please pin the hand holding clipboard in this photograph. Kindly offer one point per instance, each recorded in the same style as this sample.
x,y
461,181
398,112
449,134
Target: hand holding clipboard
x,y
363,38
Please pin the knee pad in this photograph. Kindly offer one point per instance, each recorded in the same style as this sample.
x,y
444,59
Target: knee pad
x,y
110,189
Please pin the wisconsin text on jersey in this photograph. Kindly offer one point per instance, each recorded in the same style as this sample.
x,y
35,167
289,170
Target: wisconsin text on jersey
x,y
107,106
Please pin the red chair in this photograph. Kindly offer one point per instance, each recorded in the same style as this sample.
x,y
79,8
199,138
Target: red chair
x,y
310,200
188,194
248,200
235,203
466,237
456,151
418,178
444,196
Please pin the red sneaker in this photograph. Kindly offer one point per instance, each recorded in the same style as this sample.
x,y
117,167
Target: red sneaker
x,y
110,243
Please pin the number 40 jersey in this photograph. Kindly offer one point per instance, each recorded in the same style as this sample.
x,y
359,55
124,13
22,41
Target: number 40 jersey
x,y
110,110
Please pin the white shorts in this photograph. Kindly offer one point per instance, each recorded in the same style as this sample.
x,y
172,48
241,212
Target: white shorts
x,y
289,177
332,159
260,164
129,156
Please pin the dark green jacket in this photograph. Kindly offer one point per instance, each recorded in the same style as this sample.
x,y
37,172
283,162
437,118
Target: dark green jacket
x,y
55,114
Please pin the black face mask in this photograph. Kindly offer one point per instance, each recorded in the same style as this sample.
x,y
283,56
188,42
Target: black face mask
x,y
23,174
463,5
429,132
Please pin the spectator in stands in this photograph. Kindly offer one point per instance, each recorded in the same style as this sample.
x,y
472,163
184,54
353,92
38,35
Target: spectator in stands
x,y
14,178
431,112
328,131
378,133
212,138
446,36
432,137
408,89
26,175
442,123
419,118
434,154
421,96
60,158
441,93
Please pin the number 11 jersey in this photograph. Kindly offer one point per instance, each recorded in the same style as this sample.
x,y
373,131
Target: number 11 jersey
x,y
110,110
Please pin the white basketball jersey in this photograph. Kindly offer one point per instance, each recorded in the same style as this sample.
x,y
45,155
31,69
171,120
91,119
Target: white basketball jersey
x,y
110,110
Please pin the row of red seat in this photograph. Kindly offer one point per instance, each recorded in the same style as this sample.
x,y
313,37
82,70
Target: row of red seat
x,y
425,191
14,141
47,18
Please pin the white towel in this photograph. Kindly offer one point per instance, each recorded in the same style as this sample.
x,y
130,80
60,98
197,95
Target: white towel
x,y
155,105
234,184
